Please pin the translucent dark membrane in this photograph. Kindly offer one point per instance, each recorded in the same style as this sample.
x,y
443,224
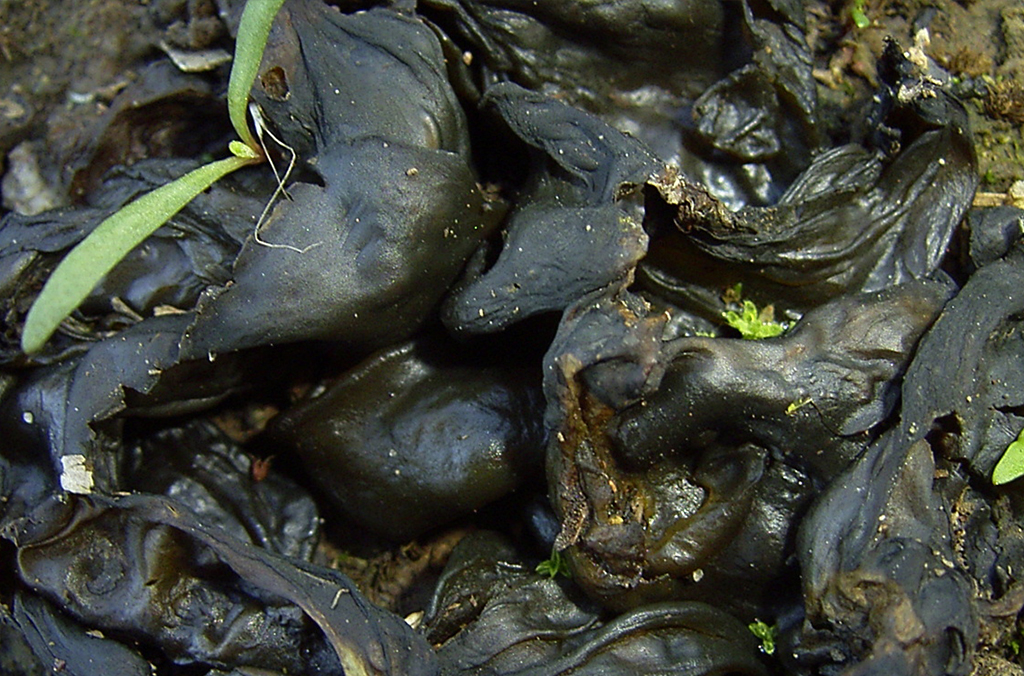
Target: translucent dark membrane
x,y
857,219
422,433
682,466
491,614
143,567
366,247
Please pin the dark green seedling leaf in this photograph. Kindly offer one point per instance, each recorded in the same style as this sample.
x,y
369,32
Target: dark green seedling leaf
x,y
86,264
766,633
1011,465
554,566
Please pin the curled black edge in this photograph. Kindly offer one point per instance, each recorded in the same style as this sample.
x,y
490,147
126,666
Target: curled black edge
x,y
583,215
369,641
205,236
66,647
948,376
598,160
845,357
879,219
64,404
641,352
200,465
517,612
882,593
718,628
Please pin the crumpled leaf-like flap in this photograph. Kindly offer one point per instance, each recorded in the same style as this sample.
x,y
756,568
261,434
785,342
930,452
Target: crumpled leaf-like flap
x,y
367,640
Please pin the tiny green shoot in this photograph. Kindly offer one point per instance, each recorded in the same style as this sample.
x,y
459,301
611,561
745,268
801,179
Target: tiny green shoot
x,y
859,14
554,566
1011,465
754,324
766,633
734,294
102,249
795,406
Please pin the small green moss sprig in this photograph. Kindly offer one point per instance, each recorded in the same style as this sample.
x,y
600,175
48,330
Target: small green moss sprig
x,y
1011,465
554,565
754,324
766,633
102,249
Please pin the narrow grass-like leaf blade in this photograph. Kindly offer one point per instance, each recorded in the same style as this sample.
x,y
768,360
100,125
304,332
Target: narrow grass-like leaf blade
x,y
93,257
253,30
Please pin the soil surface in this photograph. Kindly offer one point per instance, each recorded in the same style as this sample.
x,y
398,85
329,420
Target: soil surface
x,y
980,43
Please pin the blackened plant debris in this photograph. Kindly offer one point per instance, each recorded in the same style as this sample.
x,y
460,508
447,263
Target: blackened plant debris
x,y
858,219
498,311
392,209
671,486
94,539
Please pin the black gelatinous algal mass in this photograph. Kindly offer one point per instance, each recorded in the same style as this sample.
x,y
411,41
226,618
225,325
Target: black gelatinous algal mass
x,y
490,303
